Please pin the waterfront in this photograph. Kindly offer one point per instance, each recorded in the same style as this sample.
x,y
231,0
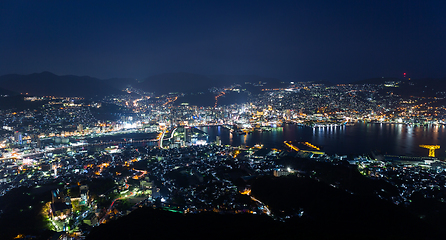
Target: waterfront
x,y
361,138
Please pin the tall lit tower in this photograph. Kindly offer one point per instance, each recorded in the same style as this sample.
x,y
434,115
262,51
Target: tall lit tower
x,y
431,148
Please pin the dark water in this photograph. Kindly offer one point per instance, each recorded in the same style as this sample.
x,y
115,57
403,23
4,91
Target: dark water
x,y
123,137
362,138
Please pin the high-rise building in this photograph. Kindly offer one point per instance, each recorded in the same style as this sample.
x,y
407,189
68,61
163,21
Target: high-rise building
x,y
85,194
18,137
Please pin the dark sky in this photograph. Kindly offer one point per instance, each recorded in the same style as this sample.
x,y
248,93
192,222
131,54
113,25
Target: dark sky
x,y
338,41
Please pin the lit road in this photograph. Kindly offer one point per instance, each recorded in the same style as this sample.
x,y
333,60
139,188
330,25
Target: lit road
x,y
111,206
291,146
161,139
267,211
262,205
78,146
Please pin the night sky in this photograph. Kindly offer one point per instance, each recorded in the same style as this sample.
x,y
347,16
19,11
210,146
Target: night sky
x,y
339,41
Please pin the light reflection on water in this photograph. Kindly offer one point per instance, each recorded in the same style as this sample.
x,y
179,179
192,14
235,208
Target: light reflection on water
x,y
361,138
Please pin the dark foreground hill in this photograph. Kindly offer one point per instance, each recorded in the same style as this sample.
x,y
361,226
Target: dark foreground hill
x,y
328,213
148,223
338,212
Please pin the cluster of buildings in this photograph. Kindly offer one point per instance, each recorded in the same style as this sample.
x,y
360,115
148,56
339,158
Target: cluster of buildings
x,y
306,103
415,175
61,121
187,179
204,178
57,143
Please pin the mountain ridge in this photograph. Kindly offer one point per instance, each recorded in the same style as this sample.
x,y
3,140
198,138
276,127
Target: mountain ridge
x,y
50,84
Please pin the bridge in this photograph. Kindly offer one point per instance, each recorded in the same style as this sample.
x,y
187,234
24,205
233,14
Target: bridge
x,y
161,138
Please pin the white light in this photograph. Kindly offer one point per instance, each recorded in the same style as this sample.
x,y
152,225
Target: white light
x,y
201,142
129,125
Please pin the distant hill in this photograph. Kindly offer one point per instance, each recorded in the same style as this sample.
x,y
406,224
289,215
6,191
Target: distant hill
x,y
177,82
189,82
380,80
325,82
252,83
241,79
121,83
208,99
5,92
423,87
49,84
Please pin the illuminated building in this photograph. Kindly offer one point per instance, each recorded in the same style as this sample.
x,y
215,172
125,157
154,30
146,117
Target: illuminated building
x,y
283,172
148,186
60,205
18,137
84,194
